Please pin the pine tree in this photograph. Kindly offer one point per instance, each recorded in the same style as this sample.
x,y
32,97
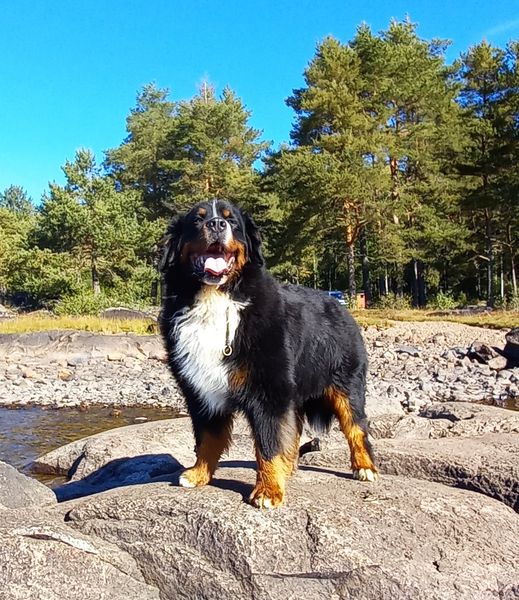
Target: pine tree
x,y
488,160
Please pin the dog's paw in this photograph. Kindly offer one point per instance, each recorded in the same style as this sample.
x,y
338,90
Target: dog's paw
x,y
266,497
194,477
365,474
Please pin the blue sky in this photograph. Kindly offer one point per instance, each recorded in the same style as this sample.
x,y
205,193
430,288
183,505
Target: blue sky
x,y
70,69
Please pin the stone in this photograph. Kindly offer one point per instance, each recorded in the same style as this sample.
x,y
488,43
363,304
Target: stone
x,y
41,558
497,363
115,356
19,491
65,375
467,419
336,538
410,350
121,312
511,349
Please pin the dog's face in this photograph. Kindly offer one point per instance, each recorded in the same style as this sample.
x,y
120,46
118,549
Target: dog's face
x,y
212,243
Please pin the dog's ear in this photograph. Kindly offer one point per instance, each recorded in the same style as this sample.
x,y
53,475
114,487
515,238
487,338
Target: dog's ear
x,y
171,244
253,240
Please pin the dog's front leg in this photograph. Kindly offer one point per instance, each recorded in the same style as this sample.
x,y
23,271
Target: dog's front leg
x,y
277,451
213,437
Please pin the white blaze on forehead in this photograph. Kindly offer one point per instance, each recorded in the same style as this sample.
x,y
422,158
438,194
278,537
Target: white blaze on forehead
x,y
215,214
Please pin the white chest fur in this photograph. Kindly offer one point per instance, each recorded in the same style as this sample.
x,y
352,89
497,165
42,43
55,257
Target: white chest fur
x,y
201,334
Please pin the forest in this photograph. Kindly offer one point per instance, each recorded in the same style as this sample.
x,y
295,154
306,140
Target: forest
x,y
399,179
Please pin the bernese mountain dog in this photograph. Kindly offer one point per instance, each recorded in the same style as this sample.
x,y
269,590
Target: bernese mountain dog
x,y
239,341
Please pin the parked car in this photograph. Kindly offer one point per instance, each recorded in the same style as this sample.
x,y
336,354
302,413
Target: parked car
x,y
338,295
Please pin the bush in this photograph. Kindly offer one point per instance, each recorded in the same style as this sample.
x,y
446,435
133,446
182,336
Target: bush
x,y
394,302
462,300
513,302
442,301
83,303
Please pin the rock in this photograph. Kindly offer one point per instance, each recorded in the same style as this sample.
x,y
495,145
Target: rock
x,y
511,349
28,373
481,352
65,375
407,536
44,559
336,538
120,312
469,419
497,363
19,491
78,359
488,464
86,456
115,356
410,350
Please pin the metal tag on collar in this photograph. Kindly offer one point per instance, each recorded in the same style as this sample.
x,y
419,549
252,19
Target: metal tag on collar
x,y
227,351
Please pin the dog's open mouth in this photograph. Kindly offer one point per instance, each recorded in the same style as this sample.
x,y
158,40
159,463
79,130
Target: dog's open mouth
x,y
215,261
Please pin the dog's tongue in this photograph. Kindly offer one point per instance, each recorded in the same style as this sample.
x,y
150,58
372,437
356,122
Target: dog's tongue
x,y
215,266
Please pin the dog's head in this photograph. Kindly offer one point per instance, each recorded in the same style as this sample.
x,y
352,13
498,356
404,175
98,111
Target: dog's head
x,y
212,243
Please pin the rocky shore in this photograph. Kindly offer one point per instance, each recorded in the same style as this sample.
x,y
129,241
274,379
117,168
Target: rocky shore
x,y
439,525
411,365
442,523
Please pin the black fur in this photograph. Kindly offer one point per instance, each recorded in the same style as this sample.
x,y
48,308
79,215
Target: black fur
x,y
293,342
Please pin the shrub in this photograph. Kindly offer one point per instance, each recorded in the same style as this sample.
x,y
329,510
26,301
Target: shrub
x,y
513,302
442,301
394,302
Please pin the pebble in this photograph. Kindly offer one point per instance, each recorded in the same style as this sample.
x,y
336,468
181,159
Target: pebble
x,y
430,366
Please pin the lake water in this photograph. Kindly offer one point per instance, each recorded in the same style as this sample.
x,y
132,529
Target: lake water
x,y
27,433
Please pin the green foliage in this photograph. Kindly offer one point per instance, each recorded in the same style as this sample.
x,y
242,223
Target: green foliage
x,y
401,176
15,199
85,302
393,302
178,153
443,301
513,302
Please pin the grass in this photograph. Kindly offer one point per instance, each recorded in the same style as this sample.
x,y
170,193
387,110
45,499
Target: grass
x,y
502,319
366,318
28,323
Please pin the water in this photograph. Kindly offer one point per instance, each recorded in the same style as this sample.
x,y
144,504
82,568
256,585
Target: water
x,y
27,433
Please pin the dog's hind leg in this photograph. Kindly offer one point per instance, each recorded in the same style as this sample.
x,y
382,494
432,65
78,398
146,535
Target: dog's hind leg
x,y
355,431
213,437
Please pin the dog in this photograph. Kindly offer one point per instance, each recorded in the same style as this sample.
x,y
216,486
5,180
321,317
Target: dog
x,y
239,341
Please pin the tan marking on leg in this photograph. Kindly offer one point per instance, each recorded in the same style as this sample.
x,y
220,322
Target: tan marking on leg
x,y
271,475
361,463
208,454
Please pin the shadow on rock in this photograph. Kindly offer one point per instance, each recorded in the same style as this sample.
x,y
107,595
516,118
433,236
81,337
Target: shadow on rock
x,y
122,472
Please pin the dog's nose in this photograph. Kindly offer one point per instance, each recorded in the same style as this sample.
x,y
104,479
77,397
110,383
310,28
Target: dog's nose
x,y
217,225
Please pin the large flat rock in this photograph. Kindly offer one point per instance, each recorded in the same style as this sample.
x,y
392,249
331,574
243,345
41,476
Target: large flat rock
x,y
337,538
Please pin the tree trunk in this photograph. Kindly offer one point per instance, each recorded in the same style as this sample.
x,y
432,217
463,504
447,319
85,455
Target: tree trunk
x,y
351,274
501,277
490,258
96,285
422,291
513,273
416,300
366,283
513,276
154,292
